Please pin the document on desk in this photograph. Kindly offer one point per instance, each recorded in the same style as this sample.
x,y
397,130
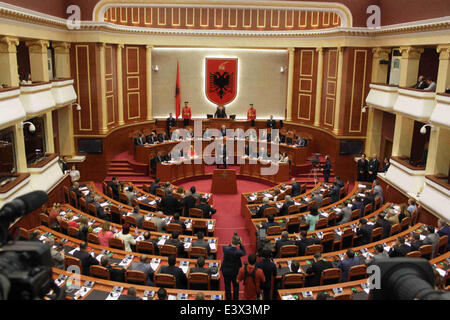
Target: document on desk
x,y
113,296
161,242
212,246
184,265
73,251
441,272
210,225
155,263
422,237
99,257
362,186
104,204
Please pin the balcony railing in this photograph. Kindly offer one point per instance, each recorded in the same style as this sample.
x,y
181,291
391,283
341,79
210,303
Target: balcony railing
x,y
415,103
63,92
37,97
11,109
382,96
436,195
407,177
441,112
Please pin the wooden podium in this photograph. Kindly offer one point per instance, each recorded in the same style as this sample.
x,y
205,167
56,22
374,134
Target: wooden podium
x,y
224,181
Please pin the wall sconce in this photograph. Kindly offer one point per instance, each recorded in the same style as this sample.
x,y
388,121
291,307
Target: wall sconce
x,y
364,109
283,69
423,129
155,68
32,127
77,106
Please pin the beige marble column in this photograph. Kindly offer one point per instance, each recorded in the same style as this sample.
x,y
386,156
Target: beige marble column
x,y
438,151
19,148
49,141
149,82
380,71
337,122
409,65
65,131
290,89
403,133
8,60
319,86
120,83
443,78
38,60
102,77
62,59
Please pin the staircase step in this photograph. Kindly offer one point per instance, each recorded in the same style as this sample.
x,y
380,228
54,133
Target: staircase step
x,y
127,169
124,173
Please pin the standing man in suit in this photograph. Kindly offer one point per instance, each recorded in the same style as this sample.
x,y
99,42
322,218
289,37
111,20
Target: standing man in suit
x,y
154,161
305,242
271,124
318,266
373,166
251,115
362,166
295,188
326,169
399,249
230,266
220,112
223,131
85,258
208,210
170,123
186,112
270,273
114,184
284,241
365,231
180,277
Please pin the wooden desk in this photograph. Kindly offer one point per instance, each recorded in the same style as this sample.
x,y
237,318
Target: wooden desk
x,y
224,181
255,170
179,170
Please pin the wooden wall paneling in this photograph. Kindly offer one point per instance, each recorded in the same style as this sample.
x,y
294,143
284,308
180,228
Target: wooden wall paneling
x,y
330,65
134,83
111,85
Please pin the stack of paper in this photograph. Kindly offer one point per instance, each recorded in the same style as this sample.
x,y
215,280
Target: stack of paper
x,y
104,204
155,263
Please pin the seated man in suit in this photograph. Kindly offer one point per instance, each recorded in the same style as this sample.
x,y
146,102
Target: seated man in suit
x,y
296,188
138,217
334,192
345,213
148,238
188,203
381,222
131,295
143,265
180,277
284,241
432,238
317,267
416,243
140,140
200,242
358,204
169,204
365,231
380,254
200,267
155,185
265,205
208,210
305,242
270,222
76,188
100,211
158,219
85,258
368,199
151,138
399,249
350,260
177,243
116,273
287,203
339,182
176,219
378,191
114,184
317,197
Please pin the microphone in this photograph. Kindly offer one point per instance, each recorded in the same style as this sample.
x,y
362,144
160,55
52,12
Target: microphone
x,y
22,205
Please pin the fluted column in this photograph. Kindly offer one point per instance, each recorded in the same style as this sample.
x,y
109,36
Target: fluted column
x,y
409,66
8,61
149,82
319,86
49,141
38,60
119,83
19,149
337,112
290,89
443,78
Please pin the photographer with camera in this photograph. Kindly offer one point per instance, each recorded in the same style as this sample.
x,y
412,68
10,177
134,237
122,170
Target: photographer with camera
x,y
231,264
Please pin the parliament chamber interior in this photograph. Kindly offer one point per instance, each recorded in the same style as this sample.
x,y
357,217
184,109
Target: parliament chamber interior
x,y
224,150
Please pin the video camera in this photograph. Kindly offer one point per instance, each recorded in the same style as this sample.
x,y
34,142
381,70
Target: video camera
x,y
25,266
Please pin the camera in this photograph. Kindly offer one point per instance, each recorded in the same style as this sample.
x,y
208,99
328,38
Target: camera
x,y
25,266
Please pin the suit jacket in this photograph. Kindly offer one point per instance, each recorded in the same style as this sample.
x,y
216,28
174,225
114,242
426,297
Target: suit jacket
x,y
415,245
296,188
232,260
77,192
271,124
365,231
399,251
281,243
345,266
316,269
188,203
169,205
201,244
180,222
125,297
376,258
177,243
334,193
170,122
362,165
374,164
179,275
207,210
220,113
270,272
327,167
151,139
86,261
378,192
284,209
160,223
153,187
346,214
115,190
200,270
145,268
358,205
304,243
260,212
267,225
318,199
383,223
139,141
433,239
100,211
340,183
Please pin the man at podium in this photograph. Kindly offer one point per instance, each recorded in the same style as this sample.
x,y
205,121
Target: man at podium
x,y
251,115
220,112
186,112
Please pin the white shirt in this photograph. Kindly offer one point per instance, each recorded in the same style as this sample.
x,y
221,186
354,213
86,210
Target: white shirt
x,y
74,175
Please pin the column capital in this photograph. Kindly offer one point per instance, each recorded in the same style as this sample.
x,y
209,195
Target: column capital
x,y
101,45
61,47
38,46
381,53
444,51
411,52
149,47
291,50
120,46
340,49
9,44
319,50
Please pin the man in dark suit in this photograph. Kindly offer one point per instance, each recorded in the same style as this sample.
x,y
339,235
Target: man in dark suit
x,y
270,273
180,277
326,169
155,160
64,164
372,168
362,166
350,260
230,266
271,124
339,181
381,222
318,266
131,295
188,203
265,205
334,192
200,267
85,258
148,238
368,198
155,185
114,184
143,265
358,204
399,249
220,112
270,222
200,242
416,242
287,203
284,241
304,242
365,231
151,138
170,123
140,140
76,188
296,188
223,131
100,211
208,210
169,204
176,219
162,136
175,241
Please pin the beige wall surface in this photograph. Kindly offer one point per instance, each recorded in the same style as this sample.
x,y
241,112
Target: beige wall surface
x,y
259,81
